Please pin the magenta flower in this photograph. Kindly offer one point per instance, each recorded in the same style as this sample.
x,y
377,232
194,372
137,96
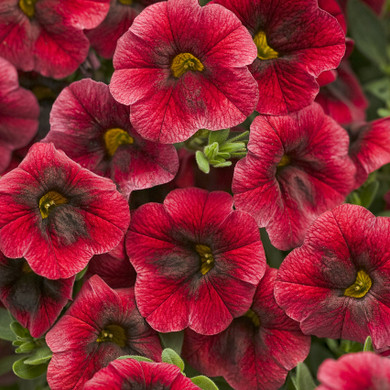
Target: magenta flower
x,y
101,325
198,262
131,374
336,283
297,167
257,350
95,131
53,209
179,79
296,41
355,371
34,301
19,111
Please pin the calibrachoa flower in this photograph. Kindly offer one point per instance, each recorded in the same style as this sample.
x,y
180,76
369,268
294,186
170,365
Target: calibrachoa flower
x,y
95,131
57,215
296,41
355,371
131,374
182,67
297,167
101,325
336,283
257,350
34,301
19,111
198,262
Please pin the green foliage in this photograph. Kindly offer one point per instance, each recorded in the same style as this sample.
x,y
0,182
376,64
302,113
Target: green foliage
x,y
303,379
27,371
5,322
136,357
204,382
171,357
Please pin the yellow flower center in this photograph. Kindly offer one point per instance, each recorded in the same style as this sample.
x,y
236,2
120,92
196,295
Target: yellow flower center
x,y
26,269
113,138
114,334
264,51
361,286
184,62
49,201
253,317
28,7
126,2
206,258
285,160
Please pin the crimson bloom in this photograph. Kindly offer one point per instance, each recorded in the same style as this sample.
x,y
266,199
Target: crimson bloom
x,y
296,41
198,262
182,67
355,371
19,111
101,325
297,167
336,283
95,131
131,374
57,215
257,350
34,301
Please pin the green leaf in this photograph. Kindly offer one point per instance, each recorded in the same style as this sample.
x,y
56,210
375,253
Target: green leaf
x,y
204,382
368,345
202,162
26,371
380,88
219,136
368,193
136,357
6,363
211,151
26,347
5,321
170,356
81,273
173,340
383,112
223,164
367,31
41,355
354,198
304,380
19,331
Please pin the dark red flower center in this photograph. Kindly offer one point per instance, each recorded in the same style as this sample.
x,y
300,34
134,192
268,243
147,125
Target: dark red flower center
x,y
126,2
360,287
49,201
264,51
28,7
26,269
185,62
113,334
206,258
113,138
253,317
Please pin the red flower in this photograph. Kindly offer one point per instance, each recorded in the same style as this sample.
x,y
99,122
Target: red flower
x,y
95,131
296,41
296,168
182,67
355,371
53,209
129,373
34,301
19,111
101,325
198,262
336,283
257,350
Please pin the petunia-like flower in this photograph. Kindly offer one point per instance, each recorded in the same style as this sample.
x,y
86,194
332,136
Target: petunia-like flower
x,y
257,350
182,67
19,111
355,371
34,301
370,147
336,283
296,41
38,34
131,374
198,262
297,167
95,131
101,325
57,215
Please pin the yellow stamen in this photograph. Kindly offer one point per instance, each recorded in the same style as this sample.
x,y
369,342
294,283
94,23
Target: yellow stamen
x,y
264,51
253,317
285,160
185,62
360,287
28,7
49,201
113,138
126,2
114,334
206,258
